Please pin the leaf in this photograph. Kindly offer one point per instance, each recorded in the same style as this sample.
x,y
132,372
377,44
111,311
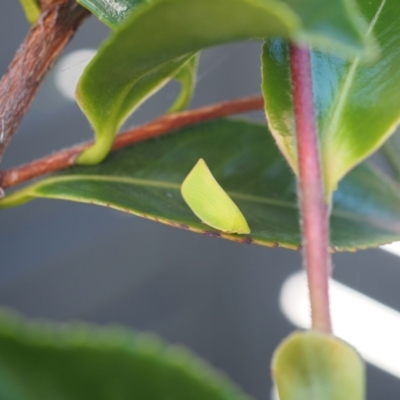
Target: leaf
x,y
357,104
31,9
183,69
134,95
160,31
210,202
187,77
41,361
115,13
314,366
145,180
112,13
337,25
391,149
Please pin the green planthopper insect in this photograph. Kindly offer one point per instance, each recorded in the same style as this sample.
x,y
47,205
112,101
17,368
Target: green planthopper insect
x,y
210,202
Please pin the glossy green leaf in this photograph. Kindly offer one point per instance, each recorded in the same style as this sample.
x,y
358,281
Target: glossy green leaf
x,y
31,9
357,104
40,361
131,98
160,31
314,366
115,13
210,202
145,180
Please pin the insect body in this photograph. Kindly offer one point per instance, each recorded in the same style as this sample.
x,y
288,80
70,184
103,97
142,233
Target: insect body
x,y
210,202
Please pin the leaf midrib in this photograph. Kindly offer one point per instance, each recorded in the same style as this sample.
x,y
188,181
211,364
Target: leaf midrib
x,y
177,186
159,184
332,123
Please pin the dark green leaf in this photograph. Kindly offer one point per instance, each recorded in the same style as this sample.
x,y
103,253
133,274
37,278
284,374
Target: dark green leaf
x,y
145,180
314,366
357,104
160,31
79,362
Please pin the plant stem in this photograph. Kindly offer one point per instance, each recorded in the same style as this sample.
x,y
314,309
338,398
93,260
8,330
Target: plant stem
x,y
314,210
42,46
159,126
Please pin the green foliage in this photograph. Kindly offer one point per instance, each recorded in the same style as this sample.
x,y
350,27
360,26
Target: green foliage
x,y
80,362
357,104
357,108
314,366
210,202
392,151
128,100
187,77
112,13
31,9
161,33
145,180
183,69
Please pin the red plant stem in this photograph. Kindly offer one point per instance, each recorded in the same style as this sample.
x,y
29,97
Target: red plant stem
x,y
160,126
314,210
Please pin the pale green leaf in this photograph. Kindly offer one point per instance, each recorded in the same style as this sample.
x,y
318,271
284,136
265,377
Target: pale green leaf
x,y
145,180
210,202
31,9
160,31
314,366
357,103
41,361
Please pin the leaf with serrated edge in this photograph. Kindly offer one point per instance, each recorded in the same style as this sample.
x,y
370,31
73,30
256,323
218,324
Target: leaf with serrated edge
x,y
145,180
80,362
357,104
314,366
210,202
159,31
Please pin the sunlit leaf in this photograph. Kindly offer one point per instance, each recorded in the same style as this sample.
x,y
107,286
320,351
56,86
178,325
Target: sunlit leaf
x,y
134,95
31,9
40,361
314,366
115,13
357,103
210,202
145,180
161,31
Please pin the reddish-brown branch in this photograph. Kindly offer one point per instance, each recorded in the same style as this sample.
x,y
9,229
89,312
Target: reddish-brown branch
x,y
314,210
159,126
43,44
